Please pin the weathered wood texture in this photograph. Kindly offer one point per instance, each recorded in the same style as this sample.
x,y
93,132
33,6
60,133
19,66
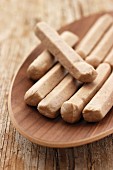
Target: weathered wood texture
x,y
17,20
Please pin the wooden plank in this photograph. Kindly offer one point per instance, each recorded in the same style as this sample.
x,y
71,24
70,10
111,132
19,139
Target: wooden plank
x,y
17,153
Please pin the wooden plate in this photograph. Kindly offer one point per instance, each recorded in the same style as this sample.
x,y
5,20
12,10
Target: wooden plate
x,y
41,130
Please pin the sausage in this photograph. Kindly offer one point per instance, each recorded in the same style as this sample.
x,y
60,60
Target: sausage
x,y
109,58
71,110
46,60
51,104
94,35
74,64
102,49
101,103
42,87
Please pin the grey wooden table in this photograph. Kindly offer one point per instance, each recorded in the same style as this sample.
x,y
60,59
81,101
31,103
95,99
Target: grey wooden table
x,y
17,20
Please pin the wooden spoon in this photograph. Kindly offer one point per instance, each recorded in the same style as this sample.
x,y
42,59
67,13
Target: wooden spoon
x,y
41,130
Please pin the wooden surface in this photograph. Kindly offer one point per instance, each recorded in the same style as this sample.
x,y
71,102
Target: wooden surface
x,y
44,131
16,42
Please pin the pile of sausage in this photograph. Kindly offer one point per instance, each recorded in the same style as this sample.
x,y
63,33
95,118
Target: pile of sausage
x,y
73,82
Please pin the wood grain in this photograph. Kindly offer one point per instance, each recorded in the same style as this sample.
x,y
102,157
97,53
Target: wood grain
x,y
15,44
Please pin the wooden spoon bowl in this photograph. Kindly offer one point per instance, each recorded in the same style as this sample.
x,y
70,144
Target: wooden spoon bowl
x,y
44,131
